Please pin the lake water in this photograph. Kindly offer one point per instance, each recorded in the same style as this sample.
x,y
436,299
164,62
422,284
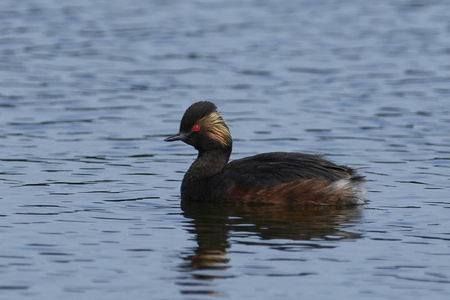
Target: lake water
x,y
90,205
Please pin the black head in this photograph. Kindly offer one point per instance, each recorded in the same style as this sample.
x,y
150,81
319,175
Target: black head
x,y
203,127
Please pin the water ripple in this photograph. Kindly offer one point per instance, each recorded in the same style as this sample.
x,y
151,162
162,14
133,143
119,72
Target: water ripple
x,y
90,192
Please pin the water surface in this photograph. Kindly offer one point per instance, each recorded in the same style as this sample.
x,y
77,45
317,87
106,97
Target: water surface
x,y
90,192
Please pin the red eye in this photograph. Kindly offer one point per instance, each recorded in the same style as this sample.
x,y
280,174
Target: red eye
x,y
196,128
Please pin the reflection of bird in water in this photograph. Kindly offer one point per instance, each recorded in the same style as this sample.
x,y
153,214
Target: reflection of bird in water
x,y
296,224
280,227
276,178
209,226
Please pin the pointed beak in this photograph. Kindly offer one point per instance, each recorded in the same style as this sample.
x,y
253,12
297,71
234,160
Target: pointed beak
x,y
177,137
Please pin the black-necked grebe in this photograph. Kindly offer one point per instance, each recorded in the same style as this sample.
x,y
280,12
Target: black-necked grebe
x,y
272,178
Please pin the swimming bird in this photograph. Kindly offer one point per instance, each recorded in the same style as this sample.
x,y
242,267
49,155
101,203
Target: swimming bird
x,y
268,178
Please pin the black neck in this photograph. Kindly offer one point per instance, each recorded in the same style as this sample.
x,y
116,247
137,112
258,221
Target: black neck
x,y
207,164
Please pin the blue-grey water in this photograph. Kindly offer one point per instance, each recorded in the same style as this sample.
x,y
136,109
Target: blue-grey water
x,y
89,191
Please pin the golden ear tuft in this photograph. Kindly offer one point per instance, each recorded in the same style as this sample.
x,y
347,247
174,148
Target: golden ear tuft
x,y
214,126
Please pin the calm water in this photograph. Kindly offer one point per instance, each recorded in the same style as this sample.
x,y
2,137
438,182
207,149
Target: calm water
x,y
90,192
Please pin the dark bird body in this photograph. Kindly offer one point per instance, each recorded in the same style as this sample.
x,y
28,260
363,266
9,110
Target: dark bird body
x,y
271,178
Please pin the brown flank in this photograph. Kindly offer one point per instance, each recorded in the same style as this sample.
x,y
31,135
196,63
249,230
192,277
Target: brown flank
x,y
301,192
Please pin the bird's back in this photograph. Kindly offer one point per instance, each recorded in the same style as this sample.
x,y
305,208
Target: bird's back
x,y
270,169
288,177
